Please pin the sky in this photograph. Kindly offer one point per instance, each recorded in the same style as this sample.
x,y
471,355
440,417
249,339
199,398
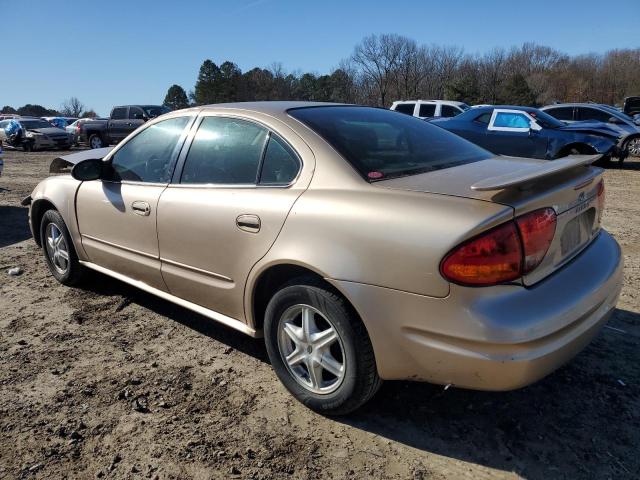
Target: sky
x,y
130,52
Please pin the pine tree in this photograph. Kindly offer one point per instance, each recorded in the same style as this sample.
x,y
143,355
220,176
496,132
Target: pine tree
x,y
176,98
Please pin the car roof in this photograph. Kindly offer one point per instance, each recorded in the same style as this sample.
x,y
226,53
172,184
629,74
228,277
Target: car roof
x,y
268,107
444,102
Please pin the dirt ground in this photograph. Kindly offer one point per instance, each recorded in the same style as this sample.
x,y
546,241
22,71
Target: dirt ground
x,y
105,381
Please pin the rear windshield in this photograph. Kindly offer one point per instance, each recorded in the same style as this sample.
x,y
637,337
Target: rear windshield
x,y
382,144
33,124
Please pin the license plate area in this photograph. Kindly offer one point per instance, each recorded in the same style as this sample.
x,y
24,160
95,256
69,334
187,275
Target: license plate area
x,y
577,232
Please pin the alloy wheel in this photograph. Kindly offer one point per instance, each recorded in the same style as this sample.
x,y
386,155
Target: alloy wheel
x,y
57,249
634,147
312,349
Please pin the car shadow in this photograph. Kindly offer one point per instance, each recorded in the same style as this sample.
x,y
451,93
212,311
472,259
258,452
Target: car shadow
x,y
579,422
14,225
102,285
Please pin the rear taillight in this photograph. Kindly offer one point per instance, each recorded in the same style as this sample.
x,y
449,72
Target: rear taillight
x,y
536,230
503,253
601,196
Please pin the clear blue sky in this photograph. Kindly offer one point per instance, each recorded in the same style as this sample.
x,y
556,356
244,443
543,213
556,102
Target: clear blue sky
x,y
129,51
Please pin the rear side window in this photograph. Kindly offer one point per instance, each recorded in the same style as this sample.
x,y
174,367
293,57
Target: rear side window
x,y
511,120
449,111
119,113
148,157
484,118
225,151
405,108
380,144
593,114
427,110
561,113
280,165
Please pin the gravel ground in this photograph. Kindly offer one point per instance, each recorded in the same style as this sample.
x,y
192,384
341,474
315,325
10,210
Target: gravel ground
x,y
105,381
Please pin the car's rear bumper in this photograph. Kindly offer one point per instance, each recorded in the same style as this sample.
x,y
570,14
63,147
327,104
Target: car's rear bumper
x,y
494,338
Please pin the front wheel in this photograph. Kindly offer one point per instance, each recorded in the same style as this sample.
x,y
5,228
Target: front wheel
x,y
633,147
58,249
319,349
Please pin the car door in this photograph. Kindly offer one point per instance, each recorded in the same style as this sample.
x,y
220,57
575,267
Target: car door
x,y
118,124
136,119
509,133
235,188
117,215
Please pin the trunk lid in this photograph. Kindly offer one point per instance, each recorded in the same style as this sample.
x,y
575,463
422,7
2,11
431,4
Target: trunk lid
x,y
568,185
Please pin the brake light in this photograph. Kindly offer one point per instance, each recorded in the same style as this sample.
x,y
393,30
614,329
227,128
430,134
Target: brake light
x,y
504,253
494,257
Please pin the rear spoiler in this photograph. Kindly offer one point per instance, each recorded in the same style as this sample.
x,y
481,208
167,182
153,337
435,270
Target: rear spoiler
x,y
534,172
63,164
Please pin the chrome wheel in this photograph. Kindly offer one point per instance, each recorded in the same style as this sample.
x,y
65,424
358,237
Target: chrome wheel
x,y
311,349
634,147
57,249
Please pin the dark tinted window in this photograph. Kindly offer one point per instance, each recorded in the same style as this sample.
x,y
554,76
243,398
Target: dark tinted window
x,y
561,113
449,111
280,165
33,124
427,110
484,118
119,113
147,157
153,111
593,114
405,108
225,151
380,144
136,113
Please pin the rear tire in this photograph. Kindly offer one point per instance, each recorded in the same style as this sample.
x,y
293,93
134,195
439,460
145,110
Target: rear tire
x,y
95,141
331,377
28,147
58,249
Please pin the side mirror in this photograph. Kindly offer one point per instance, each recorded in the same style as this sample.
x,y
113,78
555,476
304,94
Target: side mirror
x,y
90,169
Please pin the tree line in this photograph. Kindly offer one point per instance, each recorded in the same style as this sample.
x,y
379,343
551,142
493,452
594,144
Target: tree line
x,y
388,67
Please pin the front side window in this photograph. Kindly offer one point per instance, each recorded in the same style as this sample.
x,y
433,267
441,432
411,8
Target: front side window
x,y
280,164
593,114
380,144
427,110
148,157
135,113
449,111
511,120
119,113
405,108
225,151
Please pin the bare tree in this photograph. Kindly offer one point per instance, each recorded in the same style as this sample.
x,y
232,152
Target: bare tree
x,y
72,107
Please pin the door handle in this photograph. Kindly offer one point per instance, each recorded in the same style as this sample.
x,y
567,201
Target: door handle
x,y
248,223
141,208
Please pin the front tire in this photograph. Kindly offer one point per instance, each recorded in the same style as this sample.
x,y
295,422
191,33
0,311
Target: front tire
x,y
58,249
319,349
632,147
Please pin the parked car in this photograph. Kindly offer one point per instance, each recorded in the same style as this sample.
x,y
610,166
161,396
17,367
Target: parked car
x,y
529,132
74,128
8,116
281,219
1,161
31,134
430,108
122,121
623,123
60,122
631,105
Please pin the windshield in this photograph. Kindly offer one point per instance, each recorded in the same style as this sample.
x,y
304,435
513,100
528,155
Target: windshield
x,y
382,144
153,111
32,124
464,106
546,120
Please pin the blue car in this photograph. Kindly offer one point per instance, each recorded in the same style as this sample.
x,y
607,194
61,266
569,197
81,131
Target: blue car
x,y
529,132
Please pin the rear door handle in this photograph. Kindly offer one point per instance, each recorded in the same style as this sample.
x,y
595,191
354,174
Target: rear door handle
x,y
248,223
141,208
